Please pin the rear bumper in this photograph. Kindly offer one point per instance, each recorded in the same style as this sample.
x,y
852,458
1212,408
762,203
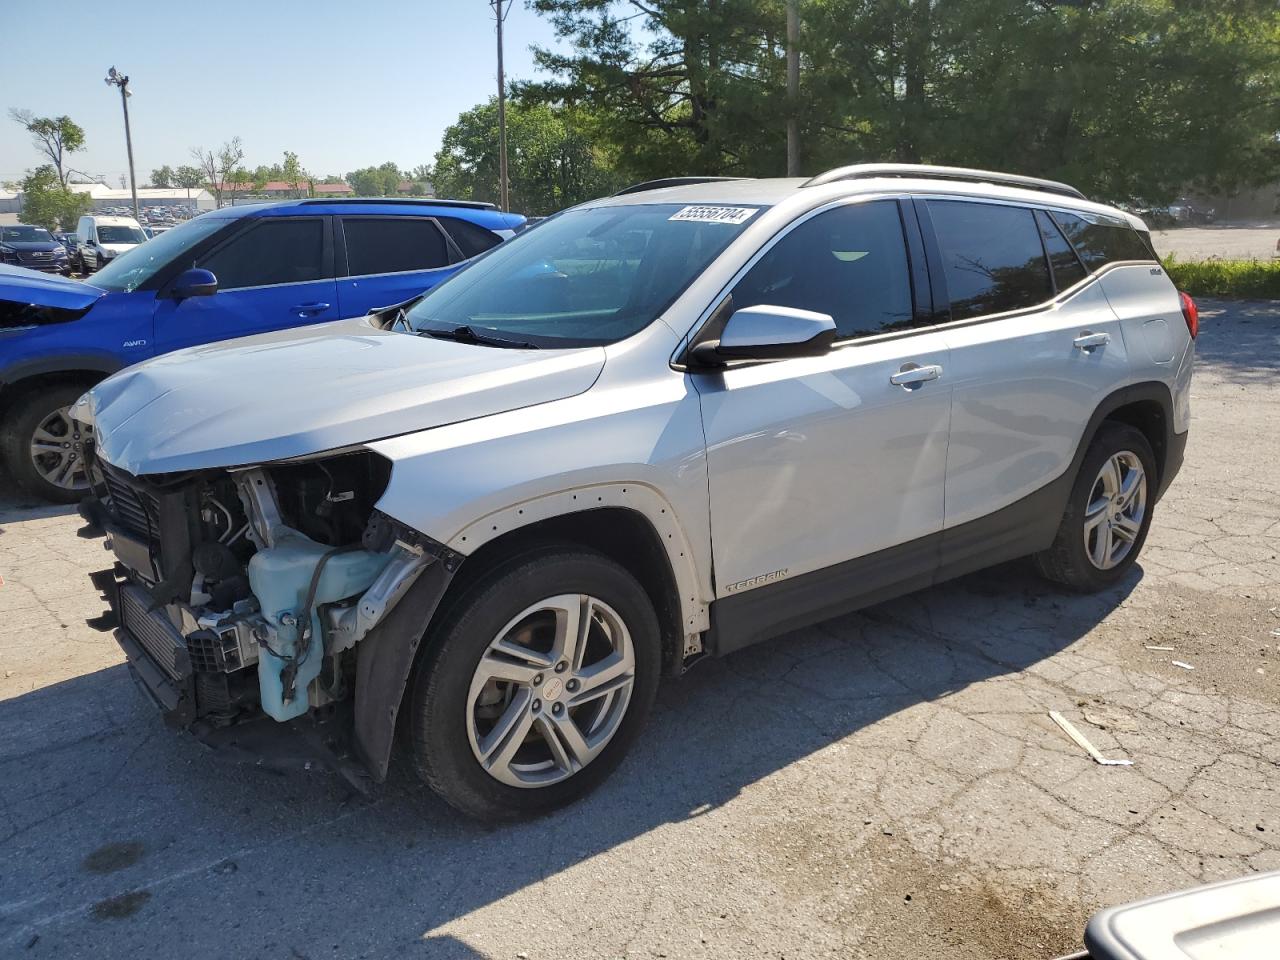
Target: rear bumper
x,y
1173,456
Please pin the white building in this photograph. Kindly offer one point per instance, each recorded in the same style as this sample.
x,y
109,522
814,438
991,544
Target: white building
x,y
9,202
104,196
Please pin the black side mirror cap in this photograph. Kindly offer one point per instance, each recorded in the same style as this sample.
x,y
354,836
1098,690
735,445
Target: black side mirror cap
x,y
192,283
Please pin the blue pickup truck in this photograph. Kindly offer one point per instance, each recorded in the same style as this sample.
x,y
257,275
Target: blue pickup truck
x,y
228,273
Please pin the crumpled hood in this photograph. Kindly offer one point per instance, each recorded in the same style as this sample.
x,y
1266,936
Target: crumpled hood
x,y
303,391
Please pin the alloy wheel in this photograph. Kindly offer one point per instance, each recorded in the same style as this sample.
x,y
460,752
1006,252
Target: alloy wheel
x,y
1117,506
57,450
550,691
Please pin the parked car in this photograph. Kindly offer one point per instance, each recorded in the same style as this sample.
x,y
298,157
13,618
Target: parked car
x,y
34,247
226,274
68,241
656,427
1184,211
101,239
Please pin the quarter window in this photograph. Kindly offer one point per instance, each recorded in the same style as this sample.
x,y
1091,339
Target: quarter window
x,y
991,256
850,263
1100,241
393,245
270,252
471,238
1067,269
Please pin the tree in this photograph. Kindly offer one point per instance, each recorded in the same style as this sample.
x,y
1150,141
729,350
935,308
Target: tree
x,y
188,177
552,160
55,137
218,168
294,175
46,202
421,173
382,181
162,176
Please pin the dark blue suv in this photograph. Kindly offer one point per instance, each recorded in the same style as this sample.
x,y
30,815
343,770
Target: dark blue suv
x,y
228,273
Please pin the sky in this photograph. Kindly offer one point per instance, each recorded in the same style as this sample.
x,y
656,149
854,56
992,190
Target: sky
x,y
342,84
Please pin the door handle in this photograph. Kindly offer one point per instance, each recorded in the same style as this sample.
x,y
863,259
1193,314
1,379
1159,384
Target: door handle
x,y
309,309
912,375
1088,342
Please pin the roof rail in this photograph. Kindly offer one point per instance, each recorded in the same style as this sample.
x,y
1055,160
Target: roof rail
x,y
424,201
867,171
670,182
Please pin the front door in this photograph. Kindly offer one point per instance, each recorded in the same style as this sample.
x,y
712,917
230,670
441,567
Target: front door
x,y
818,461
276,273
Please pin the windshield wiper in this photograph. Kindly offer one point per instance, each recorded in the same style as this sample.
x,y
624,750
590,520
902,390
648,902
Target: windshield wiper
x,y
464,334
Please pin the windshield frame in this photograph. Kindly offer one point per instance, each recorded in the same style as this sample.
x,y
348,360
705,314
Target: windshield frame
x,y
47,238
488,267
175,257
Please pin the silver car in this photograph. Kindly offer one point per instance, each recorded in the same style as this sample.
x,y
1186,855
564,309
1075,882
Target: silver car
x,y
658,427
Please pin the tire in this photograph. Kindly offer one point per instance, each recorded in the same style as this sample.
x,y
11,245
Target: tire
x,y
1125,518
18,431
450,695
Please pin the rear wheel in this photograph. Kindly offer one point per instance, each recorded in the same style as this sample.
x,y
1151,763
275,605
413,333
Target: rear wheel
x,y
1108,515
535,685
43,448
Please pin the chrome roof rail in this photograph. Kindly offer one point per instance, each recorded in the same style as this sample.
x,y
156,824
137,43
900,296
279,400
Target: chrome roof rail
x,y
867,171
671,182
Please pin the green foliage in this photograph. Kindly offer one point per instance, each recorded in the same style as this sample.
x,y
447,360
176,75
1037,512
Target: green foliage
x,y
55,137
1229,279
1128,99
380,181
292,173
188,177
552,159
47,203
162,176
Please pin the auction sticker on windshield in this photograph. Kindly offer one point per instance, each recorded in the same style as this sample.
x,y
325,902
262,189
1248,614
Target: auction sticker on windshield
x,y
706,214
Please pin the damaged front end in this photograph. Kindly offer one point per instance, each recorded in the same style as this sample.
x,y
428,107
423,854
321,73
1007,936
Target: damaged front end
x,y
265,592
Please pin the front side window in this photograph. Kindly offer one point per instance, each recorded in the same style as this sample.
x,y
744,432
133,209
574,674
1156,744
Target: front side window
x,y
586,277
393,245
849,263
1101,240
991,257
270,252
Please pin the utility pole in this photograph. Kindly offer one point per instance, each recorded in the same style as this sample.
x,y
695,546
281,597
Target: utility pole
x,y
117,79
793,88
501,9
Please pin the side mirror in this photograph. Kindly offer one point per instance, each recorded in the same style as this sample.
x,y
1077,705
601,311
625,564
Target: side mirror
x,y
769,333
192,283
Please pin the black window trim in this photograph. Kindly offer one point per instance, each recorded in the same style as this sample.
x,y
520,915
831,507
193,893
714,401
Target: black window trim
x,y
252,223
341,261
1042,215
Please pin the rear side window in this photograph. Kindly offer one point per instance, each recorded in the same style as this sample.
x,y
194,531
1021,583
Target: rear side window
x,y
991,256
270,252
1067,268
850,262
1100,241
393,245
471,239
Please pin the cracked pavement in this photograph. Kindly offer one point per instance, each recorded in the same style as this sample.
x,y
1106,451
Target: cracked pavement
x,y
888,783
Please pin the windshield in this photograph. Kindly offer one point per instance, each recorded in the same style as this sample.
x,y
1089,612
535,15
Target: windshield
x,y
117,234
584,278
135,267
24,234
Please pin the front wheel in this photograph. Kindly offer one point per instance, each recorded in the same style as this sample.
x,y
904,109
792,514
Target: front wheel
x,y
43,448
1108,514
535,684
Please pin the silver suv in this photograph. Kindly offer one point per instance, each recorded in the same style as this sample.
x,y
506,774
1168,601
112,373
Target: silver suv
x,y
654,428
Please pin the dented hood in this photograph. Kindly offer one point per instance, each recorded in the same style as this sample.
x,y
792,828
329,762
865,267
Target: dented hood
x,y
20,285
304,391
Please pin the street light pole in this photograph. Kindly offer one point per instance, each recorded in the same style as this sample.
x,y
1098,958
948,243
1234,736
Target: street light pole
x,y
793,88
503,182
116,79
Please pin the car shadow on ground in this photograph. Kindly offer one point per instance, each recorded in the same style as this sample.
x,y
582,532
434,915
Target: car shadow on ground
x,y
1240,340
253,863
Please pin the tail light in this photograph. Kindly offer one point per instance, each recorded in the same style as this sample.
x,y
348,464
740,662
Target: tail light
x,y
1190,314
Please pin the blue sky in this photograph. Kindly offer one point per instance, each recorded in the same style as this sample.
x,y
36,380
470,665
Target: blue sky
x,y
343,85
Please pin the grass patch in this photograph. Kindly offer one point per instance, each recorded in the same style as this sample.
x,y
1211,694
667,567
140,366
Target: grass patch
x,y
1228,279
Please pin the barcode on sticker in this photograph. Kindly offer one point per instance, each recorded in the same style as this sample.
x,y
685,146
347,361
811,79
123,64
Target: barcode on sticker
x,y
706,214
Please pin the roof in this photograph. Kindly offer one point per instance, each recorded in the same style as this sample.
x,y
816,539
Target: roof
x,y
488,218
771,192
112,221
323,188
100,191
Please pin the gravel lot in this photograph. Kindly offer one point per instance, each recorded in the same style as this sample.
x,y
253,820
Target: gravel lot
x,y
887,784
1252,240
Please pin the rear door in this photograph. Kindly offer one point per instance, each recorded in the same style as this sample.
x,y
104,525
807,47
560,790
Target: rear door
x,y
1034,348
389,259
277,272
